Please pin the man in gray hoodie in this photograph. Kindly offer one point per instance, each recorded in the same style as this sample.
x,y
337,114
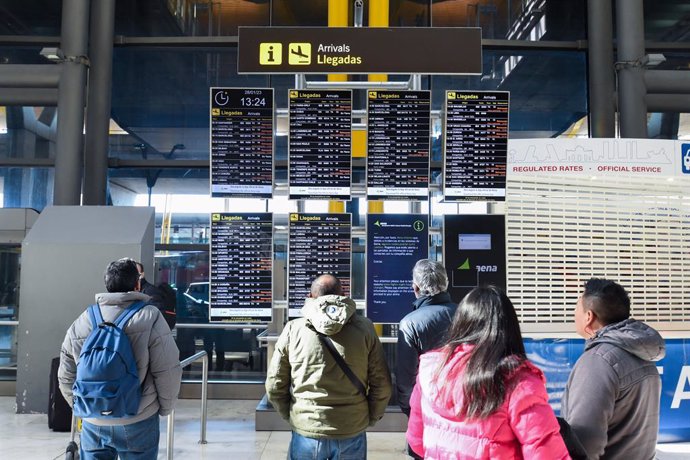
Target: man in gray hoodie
x,y
612,397
158,369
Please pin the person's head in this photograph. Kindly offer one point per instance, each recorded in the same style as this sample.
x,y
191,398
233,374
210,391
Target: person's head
x,y
122,276
487,320
603,302
140,269
325,285
428,278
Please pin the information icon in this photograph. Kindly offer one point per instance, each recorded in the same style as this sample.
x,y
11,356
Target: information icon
x,y
270,53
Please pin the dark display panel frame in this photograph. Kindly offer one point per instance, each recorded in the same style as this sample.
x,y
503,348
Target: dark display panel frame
x,y
327,154
474,161
248,250
474,265
393,265
390,149
320,263
242,112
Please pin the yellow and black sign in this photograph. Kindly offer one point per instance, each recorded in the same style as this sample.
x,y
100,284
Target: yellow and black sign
x,y
270,53
299,54
399,50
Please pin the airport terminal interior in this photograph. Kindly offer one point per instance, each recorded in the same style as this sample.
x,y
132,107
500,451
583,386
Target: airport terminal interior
x,y
239,148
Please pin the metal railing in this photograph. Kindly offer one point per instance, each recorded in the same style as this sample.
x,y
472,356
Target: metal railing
x,y
204,402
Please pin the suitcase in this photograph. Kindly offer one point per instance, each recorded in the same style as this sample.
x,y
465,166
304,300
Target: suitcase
x,y
59,412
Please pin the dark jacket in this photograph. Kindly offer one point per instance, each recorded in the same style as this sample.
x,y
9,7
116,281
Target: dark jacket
x,y
612,397
420,331
308,388
153,292
158,301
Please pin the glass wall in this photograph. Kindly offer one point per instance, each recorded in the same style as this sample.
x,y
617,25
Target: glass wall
x,y
9,309
159,138
235,354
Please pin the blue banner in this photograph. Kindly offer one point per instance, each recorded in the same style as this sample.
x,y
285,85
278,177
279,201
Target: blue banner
x,y
556,357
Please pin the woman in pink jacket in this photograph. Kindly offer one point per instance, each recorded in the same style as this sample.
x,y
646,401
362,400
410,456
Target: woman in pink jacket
x,y
478,397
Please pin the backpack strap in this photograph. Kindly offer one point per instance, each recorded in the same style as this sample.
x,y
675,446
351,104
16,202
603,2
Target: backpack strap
x,y
128,313
328,344
95,315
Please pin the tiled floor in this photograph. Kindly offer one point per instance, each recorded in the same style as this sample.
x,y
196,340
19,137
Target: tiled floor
x,y
230,435
230,431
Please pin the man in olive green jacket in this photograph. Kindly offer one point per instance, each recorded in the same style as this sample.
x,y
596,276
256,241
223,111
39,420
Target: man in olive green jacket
x,y
327,412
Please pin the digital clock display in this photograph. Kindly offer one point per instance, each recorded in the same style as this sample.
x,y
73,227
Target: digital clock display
x,y
253,102
241,128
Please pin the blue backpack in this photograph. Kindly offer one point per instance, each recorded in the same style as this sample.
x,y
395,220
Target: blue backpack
x,y
107,383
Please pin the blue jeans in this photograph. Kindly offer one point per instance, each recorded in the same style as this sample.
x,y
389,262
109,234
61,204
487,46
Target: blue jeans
x,y
303,448
138,441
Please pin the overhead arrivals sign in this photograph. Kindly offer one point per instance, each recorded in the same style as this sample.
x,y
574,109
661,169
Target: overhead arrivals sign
x,y
353,50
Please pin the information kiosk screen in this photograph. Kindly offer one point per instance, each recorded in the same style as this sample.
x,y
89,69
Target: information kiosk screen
x,y
474,252
395,242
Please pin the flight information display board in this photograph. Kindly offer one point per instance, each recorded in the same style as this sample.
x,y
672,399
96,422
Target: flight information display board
x,y
398,140
317,244
475,145
241,142
241,267
319,144
474,252
395,242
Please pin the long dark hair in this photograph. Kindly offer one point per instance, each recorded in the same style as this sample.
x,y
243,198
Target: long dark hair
x,y
486,319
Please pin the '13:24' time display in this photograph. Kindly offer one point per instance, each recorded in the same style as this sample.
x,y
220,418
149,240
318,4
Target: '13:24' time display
x,y
253,101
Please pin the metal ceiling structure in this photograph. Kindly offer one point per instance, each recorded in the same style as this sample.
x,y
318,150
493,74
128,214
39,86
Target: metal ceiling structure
x,y
168,53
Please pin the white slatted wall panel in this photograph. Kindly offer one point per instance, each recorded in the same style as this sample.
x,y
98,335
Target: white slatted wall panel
x,y
560,231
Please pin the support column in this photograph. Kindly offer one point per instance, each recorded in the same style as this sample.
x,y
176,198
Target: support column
x,y
71,97
379,11
338,17
99,99
602,119
336,206
631,88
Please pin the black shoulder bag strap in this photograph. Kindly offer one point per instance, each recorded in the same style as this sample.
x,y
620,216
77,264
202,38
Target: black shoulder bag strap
x,y
326,341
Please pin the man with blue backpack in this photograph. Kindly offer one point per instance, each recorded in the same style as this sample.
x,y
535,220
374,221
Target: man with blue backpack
x,y
120,370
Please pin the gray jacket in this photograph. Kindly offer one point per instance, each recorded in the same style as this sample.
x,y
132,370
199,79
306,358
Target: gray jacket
x,y
158,359
612,397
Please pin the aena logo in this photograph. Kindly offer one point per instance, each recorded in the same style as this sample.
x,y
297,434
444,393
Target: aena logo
x,y
480,268
487,268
